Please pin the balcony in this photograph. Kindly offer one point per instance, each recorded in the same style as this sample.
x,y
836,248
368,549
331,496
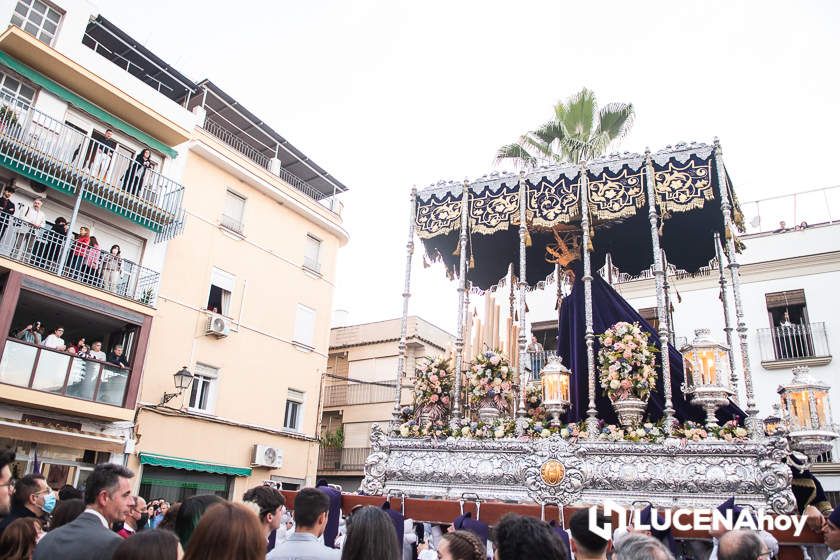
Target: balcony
x,y
46,150
535,361
345,459
344,394
786,346
42,248
61,373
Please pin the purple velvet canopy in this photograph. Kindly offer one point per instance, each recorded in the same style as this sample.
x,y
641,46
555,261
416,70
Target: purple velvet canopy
x,y
608,308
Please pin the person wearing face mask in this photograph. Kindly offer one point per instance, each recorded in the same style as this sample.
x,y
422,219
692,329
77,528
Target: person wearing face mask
x,y
32,498
136,519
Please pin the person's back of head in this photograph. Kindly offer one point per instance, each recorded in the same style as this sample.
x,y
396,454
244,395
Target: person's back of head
x,y
18,540
370,535
146,545
66,511
310,505
739,545
70,492
585,543
526,538
641,547
190,513
226,532
168,521
463,545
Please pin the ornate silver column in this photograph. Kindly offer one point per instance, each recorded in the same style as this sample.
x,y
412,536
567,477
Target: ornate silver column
x,y
457,411
751,421
727,320
591,411
659,276
523,287
396,415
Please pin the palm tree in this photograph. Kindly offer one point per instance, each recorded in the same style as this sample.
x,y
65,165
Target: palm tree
x,y
578,132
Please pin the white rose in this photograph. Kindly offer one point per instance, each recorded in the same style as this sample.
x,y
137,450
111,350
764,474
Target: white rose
x,y
500,432
545,433
615,384
404,431
564,433
740,432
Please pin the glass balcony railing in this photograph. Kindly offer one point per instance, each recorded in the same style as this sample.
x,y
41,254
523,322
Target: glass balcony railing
x,y
61,373
42,248
48,151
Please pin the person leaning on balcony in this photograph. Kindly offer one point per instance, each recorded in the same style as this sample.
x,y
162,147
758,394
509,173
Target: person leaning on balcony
x,y
46,251
7,209
96,352
112,268
34,215
79,347
54,340
31,333
132,180
116,357
76,258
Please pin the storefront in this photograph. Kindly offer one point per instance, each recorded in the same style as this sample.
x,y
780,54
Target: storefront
x,y
175,479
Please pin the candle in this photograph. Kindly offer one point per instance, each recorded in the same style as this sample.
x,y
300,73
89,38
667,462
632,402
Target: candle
x,y
496,312
467,336
564,387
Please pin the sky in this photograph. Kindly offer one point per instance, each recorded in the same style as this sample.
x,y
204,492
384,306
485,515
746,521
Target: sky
x,y
390,94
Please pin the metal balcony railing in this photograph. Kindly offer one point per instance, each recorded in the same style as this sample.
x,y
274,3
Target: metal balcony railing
x,y
48,151
42,248
219,131
535,361
345,459
344,394
232,224
35,367
794,342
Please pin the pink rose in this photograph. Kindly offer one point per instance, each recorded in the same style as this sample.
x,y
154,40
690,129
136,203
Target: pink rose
x,y
433,398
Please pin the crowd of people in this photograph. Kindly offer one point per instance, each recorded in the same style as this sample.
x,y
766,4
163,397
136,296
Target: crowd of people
x,y
108,522
34,332
41,244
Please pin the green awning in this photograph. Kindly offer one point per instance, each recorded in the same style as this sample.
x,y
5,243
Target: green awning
x,y
190,465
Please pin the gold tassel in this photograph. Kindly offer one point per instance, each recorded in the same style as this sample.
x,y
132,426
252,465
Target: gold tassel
x,y
528,241
472,262
728,233
457,251
589,246
661,229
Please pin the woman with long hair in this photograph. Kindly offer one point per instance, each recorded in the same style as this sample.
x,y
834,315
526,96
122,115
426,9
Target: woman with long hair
x,y
190,513
112,268
133,178
227,532
153,543
461,545
370,536
76,258
18,540
91,264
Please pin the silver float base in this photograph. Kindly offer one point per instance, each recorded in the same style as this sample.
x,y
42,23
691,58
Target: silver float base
x,y
555,471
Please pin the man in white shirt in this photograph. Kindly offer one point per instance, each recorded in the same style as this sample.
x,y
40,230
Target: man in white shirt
x,y
96,351
311,513
34,215
55,341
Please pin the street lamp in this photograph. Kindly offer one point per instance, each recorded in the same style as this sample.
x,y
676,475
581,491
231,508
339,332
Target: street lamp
x,y
805,402
555,382
183,380
707,373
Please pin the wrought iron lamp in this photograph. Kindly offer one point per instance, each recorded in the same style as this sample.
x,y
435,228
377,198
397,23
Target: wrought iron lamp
x,y
805,402
707,373
183,380
774,423
555,382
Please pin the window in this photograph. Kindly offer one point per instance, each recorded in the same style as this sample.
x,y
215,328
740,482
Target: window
x,y
12,88
294,407
221,288
312,254
203,389
305,326
651,315
234,212
37,18
787,308
791,331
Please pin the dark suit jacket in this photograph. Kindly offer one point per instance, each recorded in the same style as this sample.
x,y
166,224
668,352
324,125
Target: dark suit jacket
x,y
84,538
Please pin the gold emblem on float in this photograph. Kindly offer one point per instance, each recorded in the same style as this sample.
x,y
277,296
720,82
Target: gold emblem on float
x,y
552,472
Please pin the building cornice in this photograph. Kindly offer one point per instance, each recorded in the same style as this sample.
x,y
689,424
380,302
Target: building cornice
x,y
204,145
409,340
804,265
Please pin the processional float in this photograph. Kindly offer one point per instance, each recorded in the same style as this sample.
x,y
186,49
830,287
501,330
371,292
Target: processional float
x,y
635,210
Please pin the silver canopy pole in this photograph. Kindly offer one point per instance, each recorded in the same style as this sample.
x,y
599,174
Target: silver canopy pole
x,y
457,411
591,412
727,320
523,286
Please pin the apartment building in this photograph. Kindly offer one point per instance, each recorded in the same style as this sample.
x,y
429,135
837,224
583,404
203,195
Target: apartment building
x,y
228,237
359,389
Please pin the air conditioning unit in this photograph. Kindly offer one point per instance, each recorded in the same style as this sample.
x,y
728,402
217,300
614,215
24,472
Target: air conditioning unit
x,y
218,326
267,456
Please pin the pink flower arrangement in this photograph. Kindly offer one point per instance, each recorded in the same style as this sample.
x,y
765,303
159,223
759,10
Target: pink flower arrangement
x,y
433,382
491,378
627,362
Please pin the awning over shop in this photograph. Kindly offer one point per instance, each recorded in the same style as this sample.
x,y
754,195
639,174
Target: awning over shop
x,y
190,465
62,438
